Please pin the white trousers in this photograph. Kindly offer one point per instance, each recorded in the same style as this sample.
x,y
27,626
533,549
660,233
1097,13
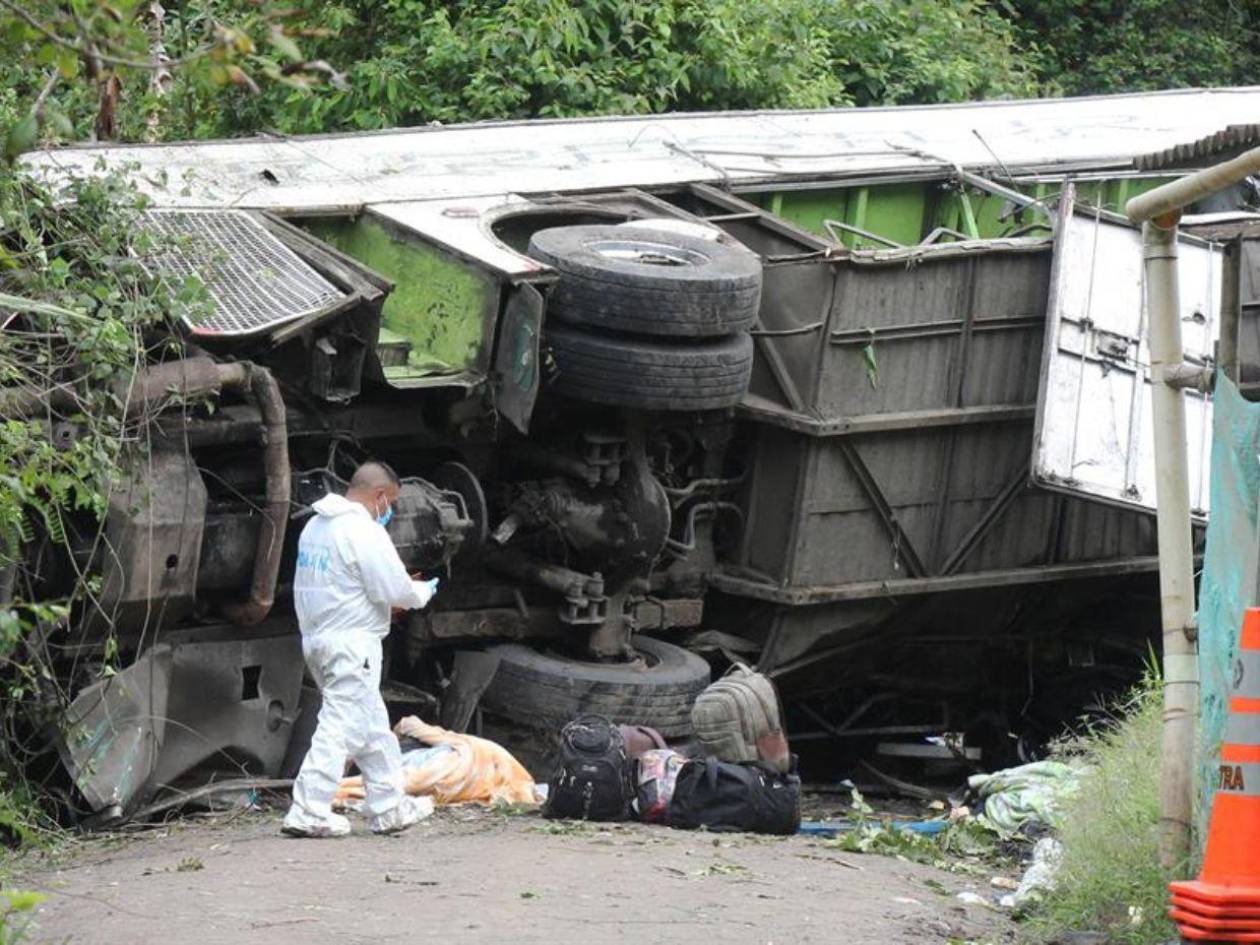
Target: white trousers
x,y
353,723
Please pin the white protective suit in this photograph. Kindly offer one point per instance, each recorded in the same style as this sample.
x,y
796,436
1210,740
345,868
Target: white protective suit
x,y
348,578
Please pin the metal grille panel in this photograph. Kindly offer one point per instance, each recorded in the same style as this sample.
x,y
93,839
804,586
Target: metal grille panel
x,y
254,281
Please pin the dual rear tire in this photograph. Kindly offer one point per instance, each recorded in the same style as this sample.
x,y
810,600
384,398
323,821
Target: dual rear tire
x,y
649,319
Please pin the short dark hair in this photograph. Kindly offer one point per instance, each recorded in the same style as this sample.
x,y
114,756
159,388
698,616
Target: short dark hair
x,y
373,474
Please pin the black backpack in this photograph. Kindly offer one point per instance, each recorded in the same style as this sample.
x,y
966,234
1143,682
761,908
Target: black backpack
x,y
726,795
592,779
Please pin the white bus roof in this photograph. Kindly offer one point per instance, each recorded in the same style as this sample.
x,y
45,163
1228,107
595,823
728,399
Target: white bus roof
x,y
419,174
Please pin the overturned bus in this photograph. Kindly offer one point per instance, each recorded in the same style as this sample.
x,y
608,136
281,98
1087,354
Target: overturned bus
x,y
855,395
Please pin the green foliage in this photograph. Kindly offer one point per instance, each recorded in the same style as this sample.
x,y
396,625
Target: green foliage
x,y
70,266
416,61
1088,47
1110,879
409,62
16,907
925,51
72,64
22,822
872,833
242,66
71,273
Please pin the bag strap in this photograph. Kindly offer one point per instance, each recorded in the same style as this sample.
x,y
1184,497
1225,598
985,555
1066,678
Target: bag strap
x,y
738,770
711,772
657,738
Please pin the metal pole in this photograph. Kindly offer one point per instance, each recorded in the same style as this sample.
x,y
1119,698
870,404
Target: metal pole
x,y
1171,197
1158,211
1176,557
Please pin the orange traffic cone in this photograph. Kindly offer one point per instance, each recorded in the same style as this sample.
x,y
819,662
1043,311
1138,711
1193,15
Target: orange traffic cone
x,y
1215,925
1208,911
1223,904
1192,933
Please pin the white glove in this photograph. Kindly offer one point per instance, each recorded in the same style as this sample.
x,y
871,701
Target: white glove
x,y
425,590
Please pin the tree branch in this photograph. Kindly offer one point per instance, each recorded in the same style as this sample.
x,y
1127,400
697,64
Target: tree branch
x,y
50,83
85,52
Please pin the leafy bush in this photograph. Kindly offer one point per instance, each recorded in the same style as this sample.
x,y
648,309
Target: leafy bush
x,y
84,311
1088,47
408,62
415,61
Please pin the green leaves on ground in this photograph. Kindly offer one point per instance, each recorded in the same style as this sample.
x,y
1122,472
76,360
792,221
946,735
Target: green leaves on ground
x,y
15,909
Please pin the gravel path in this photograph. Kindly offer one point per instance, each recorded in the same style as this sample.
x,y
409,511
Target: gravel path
x,y
468,875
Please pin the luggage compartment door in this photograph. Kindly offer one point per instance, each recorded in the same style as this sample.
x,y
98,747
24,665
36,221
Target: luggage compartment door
x,y
1093,434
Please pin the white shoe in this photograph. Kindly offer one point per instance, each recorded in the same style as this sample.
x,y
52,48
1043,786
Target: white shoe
x,y
410,810
298,823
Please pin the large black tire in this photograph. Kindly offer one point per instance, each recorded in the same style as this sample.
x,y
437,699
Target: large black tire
x,y
544,691
653,375
649,282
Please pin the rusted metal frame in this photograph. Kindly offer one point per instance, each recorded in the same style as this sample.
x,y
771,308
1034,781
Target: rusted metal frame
x,y
954,397
1231,309
778,370
902,546
832,225
917,330
1054,534
759,409
806,477
738,209
803,595
751,504
846,728
292,329
832,302
1020,199
732,217
732,204
645,197
990,517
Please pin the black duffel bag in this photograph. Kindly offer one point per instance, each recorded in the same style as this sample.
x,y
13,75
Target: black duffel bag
x,y
726,795
592,778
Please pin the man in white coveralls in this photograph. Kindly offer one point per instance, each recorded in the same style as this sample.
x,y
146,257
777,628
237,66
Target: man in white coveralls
x,y
349,577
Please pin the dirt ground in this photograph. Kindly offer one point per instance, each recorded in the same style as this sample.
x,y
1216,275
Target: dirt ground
x,y
470,875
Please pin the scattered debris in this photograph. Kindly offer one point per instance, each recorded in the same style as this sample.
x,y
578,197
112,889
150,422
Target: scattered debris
x,y
190,864
398,880
1039,877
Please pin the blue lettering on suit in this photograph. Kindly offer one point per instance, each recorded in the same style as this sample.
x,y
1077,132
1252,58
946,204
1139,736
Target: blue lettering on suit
x,y
317,558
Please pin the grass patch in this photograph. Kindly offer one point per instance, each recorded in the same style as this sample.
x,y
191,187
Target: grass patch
x,y
1110,880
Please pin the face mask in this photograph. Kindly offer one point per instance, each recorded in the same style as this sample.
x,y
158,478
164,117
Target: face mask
x,y
385,517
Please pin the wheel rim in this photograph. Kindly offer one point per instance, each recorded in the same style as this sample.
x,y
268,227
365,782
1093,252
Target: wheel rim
x,y
647,253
